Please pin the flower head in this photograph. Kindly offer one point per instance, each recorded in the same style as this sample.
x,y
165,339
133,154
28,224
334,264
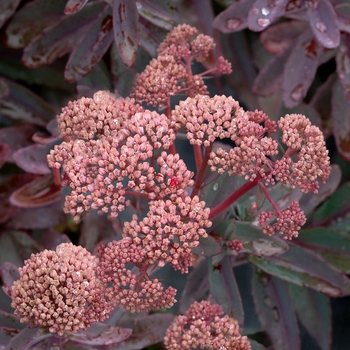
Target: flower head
x,y
288,222
170,231
203,327
132,289
59,290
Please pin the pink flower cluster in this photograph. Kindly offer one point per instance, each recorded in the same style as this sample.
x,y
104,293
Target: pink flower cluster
x,y
105,162
204,327
59,290
171,73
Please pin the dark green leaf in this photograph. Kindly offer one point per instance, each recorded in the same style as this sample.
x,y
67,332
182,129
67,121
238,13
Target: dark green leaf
x,y
305,268
314,312
196,287
224,289
273,306
333,245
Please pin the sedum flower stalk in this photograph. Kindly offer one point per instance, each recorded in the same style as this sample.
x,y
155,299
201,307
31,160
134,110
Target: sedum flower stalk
x,y
116,150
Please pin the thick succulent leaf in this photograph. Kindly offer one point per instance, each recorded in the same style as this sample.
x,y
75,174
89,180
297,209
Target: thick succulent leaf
x,y
38,218
281,36
17,246
256,346
275,312
4,89
264,12
92,226
343,66
341,120
336,206
91,48
314,313
9,320
6,334
323,22
30,21
24,105
234,18
322,102
224,289
310,201
146,330
74,6
32,159
342,12
155,14
5,151
97,79
333,245
197,285
61,37
7,186
207,247
7,9
305,268
28,337
10,274
37,193
50,238
149,38
101,334
300,68
16,137
126,30
270,77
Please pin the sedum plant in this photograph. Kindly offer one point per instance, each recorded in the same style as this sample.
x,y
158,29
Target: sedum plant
x,y
163,213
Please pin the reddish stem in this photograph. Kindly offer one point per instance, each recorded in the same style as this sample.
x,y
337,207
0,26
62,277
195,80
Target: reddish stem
x,y
269,198
198,156
233,197
201,172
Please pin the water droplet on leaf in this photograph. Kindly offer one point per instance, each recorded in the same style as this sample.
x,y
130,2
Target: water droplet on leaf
x,y
215,186
321,27
263,22
297,93
265,11
233,23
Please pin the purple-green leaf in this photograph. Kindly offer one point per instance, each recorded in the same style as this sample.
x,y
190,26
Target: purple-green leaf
x,y
323,22
17,246
126,30
275,313
300,68
207,247
10,320
37,193
74,6
155,14
101,334
10,274
61,37
342,11
27,338
32,159
333,245
147,330
224,289
91,48
264,12
341,120
305,268
314,313
234,18
5,151
38,218
30,21
196,287
24,105
7,9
